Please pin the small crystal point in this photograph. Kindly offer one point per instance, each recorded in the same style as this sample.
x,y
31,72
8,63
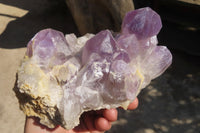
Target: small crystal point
x,y
103,44
142,22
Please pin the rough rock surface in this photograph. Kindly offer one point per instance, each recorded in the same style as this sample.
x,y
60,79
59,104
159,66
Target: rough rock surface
x,y
62,77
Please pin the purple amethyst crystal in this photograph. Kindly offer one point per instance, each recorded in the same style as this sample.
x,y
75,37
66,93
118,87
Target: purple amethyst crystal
x,y
143,23
66,76
49,47
102,44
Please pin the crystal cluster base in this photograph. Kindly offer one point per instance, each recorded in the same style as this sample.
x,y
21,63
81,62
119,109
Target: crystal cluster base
x,y
64,76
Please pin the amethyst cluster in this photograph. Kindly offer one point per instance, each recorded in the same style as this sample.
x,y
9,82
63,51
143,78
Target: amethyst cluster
x,y
67,75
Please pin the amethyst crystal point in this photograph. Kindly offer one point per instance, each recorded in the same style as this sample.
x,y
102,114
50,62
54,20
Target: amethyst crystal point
x,y
157,62
66,76
102,44
128,43
142,22
49,47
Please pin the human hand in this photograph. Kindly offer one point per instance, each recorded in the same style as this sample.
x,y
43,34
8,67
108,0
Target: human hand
x,y
90,122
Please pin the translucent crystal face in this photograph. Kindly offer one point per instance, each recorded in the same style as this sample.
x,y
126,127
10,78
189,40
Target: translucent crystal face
x,y
143,23
49,47
102,44
95,72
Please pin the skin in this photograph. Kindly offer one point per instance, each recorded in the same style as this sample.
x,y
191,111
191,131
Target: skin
x,y
90,122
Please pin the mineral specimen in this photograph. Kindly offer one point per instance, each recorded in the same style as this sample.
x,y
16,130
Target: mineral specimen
x,y
63,76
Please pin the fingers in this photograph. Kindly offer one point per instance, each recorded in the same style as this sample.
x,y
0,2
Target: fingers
x,y
89,121
102,124
110,114
134,104
100,121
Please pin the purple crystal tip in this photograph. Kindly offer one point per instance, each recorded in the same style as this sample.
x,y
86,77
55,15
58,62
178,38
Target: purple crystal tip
x,y
142,22
102,43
